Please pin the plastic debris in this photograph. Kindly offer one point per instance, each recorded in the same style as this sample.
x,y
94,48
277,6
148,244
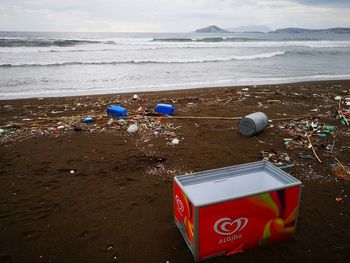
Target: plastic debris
x,y
253,124
117,111
175,141
166,109
8,107
273,101
287,141
122,122
285,166
88,120
329,128
132,128
306,157
338,199
337,98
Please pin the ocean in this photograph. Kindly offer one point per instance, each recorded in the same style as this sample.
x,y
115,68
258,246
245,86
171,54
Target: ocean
x,y
44,64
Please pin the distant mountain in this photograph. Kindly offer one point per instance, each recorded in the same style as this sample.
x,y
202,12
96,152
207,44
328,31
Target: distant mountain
x,y
249,29
211,29
305,30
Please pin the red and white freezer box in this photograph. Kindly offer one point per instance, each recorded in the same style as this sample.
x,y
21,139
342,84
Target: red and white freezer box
x,y
227,210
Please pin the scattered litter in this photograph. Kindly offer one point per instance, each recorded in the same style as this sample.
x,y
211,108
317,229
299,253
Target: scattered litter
x,y
175,141
88,120
306,157
72,171
338,199
341,171
110,121
8,107
287,141
273,101
285,166
329,128
166,109
253,124
122,122
117,111
132,128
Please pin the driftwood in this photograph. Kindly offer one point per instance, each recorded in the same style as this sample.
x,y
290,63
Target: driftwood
x,y
227,118
203,117
313,149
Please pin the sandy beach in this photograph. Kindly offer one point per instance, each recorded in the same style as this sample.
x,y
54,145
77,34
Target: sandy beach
x,y
75,192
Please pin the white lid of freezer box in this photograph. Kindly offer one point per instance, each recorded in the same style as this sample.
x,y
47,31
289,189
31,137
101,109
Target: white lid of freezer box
x,y
234,182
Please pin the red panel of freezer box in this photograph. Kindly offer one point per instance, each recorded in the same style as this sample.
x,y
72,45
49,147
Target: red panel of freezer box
x,y
229,227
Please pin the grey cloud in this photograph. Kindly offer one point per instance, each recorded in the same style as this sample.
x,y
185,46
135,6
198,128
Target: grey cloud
x,y
324,2
168,15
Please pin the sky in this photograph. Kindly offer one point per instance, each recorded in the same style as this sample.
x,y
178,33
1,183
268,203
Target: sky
x,y
169,15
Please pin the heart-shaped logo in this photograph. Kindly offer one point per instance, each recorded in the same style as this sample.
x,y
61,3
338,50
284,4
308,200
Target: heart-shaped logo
x,y
179,204
227,226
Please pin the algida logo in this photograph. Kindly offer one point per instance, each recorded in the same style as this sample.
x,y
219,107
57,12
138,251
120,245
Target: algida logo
x,y
230,228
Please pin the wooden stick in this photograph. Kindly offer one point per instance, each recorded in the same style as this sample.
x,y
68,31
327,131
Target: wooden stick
x,y
313,149
340,111
224,118
333,146
228,101
339,162
204,118
318,108
345,119
288,118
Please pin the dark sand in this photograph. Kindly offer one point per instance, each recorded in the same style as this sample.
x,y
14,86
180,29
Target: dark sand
x,y
117,206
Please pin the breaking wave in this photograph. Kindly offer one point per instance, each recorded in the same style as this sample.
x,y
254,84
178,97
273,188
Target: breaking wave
x,y
155,61
14,42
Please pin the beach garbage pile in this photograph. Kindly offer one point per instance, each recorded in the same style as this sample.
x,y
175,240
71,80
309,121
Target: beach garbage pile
x,y
308,137
309,134
279,159
85,115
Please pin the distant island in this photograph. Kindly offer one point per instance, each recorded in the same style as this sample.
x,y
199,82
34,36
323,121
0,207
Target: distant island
x,y
263,29
292,30
212,29
241,29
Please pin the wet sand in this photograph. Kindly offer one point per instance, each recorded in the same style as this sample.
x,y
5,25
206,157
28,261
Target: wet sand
x,y
96,193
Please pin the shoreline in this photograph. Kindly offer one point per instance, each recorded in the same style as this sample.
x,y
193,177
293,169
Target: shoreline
x,y
174,89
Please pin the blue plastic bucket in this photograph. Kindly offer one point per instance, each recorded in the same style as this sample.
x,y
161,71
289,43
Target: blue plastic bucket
x,y
166,109
117,111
